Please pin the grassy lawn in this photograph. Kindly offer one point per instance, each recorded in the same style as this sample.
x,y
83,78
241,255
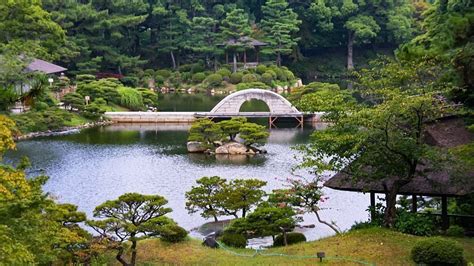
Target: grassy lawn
x,y
76,120
115,108
362,247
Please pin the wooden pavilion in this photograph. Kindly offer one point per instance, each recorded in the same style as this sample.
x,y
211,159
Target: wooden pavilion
x,y
447,133
246,43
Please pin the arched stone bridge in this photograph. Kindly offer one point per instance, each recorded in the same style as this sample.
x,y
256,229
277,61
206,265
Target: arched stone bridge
x,y
276,103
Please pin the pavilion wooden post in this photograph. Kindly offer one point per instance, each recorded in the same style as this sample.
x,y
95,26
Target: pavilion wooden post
x,y
372,206
257,53
444,213
226,57
414,203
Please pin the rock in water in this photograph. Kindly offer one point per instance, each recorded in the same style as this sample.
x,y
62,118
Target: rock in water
x,y
195,146
232,148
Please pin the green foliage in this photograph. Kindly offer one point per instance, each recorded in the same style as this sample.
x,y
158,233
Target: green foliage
x,y
199,77
213,80
236,78
49,119
291,238
40,106
206,197
279,24
131,98
414,224
252,85
455,231
267,78
165,73
93,111
133,217
216,196
8,96
265,220
33,228
247,78
173,233
253,134
150,98
260,69
225,73
232,127
74,101
205,131
234,240
437,251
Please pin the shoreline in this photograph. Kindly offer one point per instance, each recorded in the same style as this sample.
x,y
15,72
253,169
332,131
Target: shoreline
x,y
62,131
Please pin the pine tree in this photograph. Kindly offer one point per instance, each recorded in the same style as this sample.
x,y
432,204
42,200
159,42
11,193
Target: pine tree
x,y
235,30
279,24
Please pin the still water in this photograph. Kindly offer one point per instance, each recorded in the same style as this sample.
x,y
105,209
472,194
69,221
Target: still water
x,y
95,165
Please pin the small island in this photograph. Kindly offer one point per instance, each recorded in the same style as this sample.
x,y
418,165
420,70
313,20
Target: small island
x,y
236,136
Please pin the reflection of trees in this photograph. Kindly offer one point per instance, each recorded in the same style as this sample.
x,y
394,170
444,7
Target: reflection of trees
x,y
226,159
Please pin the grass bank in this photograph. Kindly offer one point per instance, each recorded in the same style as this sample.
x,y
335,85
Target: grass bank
x,y
374,246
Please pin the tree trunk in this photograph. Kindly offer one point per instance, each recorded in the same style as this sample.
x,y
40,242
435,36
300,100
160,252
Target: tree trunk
x,y
278,59
173,60
350,47
244,212
324,222
234,68
119,257
134,251
285,241
215,218
390,210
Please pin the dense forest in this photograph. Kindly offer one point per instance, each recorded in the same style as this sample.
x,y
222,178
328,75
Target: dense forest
x,y
122,36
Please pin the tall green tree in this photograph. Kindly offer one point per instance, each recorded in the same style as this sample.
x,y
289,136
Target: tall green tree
x,y
386,138
206,197
362,21
235,31
242,195
280,24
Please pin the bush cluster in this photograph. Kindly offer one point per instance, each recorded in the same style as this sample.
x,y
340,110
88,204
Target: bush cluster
x,y
234,240
415,224
455,230
173,233
49,119
291,238
437,251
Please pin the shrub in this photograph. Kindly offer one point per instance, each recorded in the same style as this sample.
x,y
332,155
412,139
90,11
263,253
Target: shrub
x,y
291,238
455,230
236,78
165,73
149,73
159,80
93,111
225,73
130,98
247,78
41,106
150,98
74,101
130,81
185,68
85,78
252,85
234,240
362,225
186,76
199,77
267,78
289,75
261,69
437,251
50,119
214,80
196,68
100,101
415,224
271,72
173,233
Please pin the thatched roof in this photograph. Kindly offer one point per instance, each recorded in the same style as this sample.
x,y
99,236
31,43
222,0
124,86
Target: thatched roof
x,y
247,41
448,132
45,67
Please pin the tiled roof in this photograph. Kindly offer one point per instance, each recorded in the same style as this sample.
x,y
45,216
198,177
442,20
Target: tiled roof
x,y
45,67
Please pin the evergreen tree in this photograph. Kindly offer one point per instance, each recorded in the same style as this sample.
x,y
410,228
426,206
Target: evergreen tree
x,y
279,24
235,32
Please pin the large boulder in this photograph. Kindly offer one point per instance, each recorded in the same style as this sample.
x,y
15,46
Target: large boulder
x,y
195,146
232,148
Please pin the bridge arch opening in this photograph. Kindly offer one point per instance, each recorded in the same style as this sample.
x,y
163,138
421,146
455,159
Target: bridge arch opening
x,y
254,105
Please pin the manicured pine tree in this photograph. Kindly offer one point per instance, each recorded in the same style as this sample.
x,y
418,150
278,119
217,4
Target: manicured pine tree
x,y
279,24
235,27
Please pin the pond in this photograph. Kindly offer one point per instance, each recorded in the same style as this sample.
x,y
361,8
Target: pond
x,y
98,164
